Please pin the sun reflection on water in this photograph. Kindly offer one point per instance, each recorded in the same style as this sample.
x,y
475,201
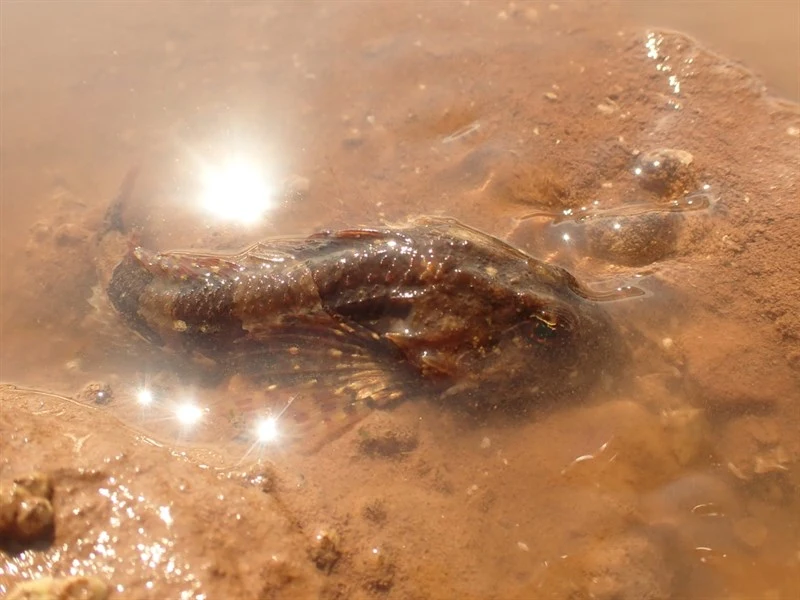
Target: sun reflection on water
x,y
237,190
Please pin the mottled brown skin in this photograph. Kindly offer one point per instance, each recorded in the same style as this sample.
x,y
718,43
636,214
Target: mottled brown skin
x,y
463,309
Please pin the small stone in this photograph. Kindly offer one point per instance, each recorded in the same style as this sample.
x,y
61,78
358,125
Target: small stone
x,y
523,546
793,131
324,551
25,515
665,171
96,393
61,588
353,138
552,96
607,108
486,443
634,240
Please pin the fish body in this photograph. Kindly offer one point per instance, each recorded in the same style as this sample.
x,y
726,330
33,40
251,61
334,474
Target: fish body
x,y
454,307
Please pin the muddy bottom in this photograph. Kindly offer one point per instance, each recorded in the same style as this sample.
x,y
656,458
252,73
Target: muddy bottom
x,y
660,174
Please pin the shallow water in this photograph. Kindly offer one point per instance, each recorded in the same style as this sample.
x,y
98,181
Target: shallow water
x,y
542,124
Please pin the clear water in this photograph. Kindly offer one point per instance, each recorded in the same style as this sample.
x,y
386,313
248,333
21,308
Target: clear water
x,y
248,121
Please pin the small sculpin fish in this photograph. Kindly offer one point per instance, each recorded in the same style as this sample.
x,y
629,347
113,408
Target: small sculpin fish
x,y
434,300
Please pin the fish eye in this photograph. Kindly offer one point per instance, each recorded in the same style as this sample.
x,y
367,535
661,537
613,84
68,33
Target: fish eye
x,y
547,318
548,324
544,330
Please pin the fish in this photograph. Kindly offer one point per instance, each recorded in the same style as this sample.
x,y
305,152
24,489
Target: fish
x,y
432,304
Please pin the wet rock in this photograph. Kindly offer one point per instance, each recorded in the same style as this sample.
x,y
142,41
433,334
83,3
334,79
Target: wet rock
x,y
633,240
96,393
324,551
666,171
26,510
385,436
62,588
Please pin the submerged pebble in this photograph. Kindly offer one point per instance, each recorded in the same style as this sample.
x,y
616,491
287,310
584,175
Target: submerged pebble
x,y
633,240
665,171
26,510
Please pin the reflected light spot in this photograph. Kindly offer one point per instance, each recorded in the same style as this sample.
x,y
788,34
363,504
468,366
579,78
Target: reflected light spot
x,y
617,226
565,237
188,413
165,515
267,430
144,397
236,191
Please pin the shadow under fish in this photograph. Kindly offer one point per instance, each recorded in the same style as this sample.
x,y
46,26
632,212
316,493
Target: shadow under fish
x,y
367,317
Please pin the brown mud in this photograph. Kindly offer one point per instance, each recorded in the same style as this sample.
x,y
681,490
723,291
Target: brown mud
x,y
539,124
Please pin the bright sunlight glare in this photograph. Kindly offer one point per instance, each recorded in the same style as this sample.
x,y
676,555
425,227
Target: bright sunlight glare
x,y
144,397
267,430
236,191
188,413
